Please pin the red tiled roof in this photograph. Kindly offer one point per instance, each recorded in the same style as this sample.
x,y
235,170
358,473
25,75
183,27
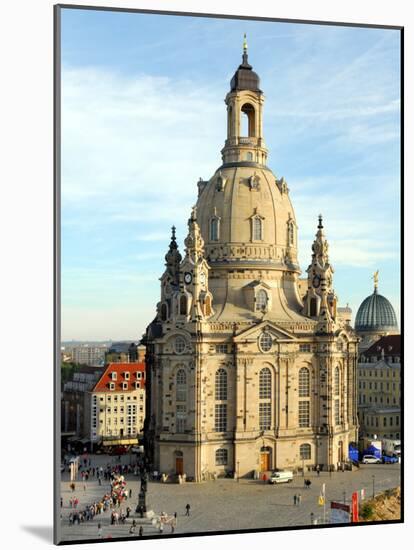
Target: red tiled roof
x,y
385,342
120,369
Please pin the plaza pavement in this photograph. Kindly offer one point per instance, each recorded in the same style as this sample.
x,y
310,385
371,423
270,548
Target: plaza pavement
x,y
224,504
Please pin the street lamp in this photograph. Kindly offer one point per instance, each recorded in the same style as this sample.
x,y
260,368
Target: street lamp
x,y
373,486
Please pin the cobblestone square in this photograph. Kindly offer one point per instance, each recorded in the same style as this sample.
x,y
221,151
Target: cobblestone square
x,y
221,505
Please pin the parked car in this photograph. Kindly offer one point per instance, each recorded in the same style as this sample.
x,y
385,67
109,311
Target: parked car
x,y
370,459
389,459
281,476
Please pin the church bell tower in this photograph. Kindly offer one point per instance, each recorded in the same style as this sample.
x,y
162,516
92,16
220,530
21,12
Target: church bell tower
x,y
244,116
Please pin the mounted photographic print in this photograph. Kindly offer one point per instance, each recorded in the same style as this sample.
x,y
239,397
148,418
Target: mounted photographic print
x,y
228,316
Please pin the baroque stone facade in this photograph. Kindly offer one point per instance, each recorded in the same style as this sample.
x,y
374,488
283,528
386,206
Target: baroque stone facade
x,y
243,373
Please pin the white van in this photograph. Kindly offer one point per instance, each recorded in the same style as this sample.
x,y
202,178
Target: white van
x,y
281,476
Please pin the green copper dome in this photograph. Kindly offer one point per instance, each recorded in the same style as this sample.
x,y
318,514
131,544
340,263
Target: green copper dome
x,y
376,314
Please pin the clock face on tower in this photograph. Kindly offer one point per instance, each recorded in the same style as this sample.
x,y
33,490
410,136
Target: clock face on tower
x,y
316,281
188,278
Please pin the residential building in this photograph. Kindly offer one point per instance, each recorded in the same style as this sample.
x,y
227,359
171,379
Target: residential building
x,y
117,404
379,388
87,354
74,400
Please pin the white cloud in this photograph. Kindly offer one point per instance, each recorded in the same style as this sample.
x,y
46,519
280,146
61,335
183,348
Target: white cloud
x,y
120,138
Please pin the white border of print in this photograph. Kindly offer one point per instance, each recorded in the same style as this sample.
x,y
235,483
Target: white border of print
x,y
26,42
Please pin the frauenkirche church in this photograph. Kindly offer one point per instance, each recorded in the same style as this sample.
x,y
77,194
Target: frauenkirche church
x,y
247,372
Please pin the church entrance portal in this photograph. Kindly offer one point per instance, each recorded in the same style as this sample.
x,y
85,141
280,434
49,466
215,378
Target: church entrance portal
x,y
265,459
179,463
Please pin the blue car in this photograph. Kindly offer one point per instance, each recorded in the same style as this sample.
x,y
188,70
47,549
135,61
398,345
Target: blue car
x,y
389,459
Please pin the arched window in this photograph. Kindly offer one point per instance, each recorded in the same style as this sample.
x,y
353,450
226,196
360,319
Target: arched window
x,y
304,414
179,344
221,385
265,399
337,412
257,228
181,385
221,457
181,418
248,121
265,384
214,229
304,382
336,381
261,300
230,122
305,451
183,304
207,306
164,312
291,234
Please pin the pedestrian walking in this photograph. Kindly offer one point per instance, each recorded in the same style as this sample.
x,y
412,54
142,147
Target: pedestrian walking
x,y
299,499
187,510
175,515
295,500
318,470
161,529
99,530
141,531
130,493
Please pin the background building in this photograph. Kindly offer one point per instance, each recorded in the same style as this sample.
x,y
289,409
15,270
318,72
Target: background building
x,y
379,388
84,353
117,405
244,373
125,352
375,318
74,400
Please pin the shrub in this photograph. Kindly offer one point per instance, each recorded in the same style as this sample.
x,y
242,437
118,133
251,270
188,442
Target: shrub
x,y
367,511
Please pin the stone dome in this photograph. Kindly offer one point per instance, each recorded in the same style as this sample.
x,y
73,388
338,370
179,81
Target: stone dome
x,y
239,196
376,314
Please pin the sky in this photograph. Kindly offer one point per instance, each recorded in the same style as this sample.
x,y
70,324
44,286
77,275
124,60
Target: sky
x,y
143,118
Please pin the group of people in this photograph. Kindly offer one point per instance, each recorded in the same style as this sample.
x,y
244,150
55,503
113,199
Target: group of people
x,y
73,502
121,516
90,510
297,499
113,500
